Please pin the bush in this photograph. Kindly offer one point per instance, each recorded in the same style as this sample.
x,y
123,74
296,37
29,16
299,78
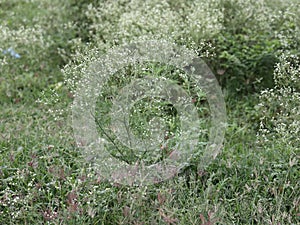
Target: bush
x,y
280,106
116,22
111,23
248,47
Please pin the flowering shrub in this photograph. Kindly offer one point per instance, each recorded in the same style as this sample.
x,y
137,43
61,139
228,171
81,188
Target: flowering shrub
x,y
115,22
280,106
110,23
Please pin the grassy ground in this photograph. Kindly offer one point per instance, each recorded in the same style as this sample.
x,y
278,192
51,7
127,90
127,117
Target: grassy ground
x,y
45,180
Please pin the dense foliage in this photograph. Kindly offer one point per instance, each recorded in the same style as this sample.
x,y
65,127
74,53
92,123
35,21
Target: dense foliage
x,y
253,48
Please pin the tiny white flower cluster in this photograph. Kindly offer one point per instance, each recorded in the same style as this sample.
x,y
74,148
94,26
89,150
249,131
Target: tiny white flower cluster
x,y
116,22
281,105
12,197
191,23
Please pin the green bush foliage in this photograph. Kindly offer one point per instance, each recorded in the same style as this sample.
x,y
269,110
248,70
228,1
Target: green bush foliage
x,y
249,45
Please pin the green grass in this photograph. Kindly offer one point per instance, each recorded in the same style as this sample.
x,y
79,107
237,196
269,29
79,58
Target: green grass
x,y
44,179
42,171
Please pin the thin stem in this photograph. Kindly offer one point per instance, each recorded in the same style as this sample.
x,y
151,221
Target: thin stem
x,y
110,139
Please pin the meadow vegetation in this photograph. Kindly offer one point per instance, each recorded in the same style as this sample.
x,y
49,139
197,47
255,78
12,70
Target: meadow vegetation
x,y
253,48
